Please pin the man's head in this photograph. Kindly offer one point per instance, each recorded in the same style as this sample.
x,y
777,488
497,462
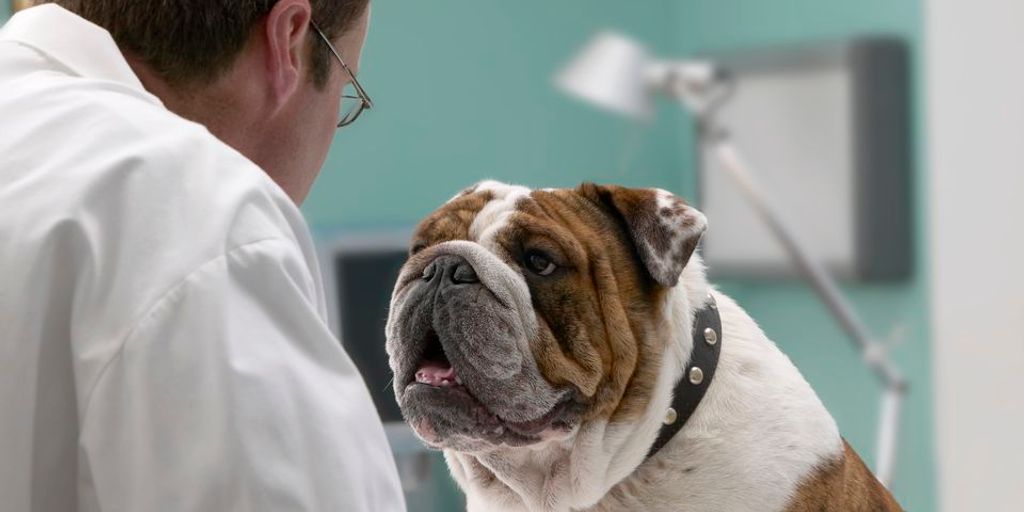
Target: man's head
x,y
254,72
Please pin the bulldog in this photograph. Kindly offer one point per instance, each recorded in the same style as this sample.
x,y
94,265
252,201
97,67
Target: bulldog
x,y
566,352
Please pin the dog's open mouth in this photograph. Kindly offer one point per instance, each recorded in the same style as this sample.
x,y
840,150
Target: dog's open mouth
x,y
435,369
436,384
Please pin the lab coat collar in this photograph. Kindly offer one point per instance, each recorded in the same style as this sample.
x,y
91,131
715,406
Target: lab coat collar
x,y
82,47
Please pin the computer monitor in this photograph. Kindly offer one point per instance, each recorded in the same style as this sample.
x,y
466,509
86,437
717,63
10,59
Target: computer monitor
x,y
359,274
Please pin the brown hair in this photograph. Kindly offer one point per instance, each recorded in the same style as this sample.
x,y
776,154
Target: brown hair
x,y
191,42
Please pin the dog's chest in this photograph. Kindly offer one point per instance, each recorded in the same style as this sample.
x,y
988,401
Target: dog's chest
x,y
758,434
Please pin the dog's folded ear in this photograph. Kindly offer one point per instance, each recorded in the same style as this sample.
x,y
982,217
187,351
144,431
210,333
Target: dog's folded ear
x,y
665,230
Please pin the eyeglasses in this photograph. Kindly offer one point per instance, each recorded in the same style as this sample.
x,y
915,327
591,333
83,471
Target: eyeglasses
x,y
350,110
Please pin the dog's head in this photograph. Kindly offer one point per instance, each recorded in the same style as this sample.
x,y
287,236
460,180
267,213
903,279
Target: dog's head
x,y
521,314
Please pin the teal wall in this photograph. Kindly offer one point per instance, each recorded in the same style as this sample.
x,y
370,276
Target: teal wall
x,y
463,92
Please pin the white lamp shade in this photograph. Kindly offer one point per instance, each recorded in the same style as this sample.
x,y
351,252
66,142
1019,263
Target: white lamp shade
x,y
612,73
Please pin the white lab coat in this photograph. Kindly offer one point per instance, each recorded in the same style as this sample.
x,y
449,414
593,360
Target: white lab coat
x,y
163,343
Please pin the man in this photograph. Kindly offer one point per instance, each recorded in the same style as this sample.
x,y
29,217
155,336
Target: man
x,y
162,335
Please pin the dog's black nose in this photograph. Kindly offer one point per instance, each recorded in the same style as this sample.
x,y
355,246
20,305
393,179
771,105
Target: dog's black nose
x,y
452,269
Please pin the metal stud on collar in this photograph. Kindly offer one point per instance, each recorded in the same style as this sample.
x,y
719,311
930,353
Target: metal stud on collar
x,y
710,336
696,375
670,416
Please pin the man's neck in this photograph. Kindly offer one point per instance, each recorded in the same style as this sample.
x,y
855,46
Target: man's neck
x,y
207,104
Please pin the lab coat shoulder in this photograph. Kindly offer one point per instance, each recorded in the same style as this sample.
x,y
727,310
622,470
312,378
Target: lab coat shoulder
x,y
144,198
231,388
228,353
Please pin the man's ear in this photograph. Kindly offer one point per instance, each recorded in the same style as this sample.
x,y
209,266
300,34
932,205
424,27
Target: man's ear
x,y
286,36
664,228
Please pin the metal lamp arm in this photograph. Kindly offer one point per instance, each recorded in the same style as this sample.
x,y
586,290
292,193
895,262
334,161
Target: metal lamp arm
x,y
702,102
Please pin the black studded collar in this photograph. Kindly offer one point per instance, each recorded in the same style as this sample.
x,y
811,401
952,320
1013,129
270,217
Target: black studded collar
x,y
698,374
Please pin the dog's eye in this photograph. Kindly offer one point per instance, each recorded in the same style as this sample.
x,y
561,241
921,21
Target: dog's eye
x,y
539,263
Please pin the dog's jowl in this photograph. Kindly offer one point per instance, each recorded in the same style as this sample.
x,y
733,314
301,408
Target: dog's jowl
x,y
565,351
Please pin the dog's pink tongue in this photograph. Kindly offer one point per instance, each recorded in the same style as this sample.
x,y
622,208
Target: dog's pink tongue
x,y
436,374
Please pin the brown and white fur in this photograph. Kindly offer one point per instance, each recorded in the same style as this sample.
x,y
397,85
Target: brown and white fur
x,y
597,350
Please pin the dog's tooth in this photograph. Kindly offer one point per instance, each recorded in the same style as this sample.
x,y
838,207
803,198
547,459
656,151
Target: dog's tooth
x,y
499,430
458,380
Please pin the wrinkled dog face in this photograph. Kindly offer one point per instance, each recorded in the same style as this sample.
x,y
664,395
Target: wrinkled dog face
x,y
521,314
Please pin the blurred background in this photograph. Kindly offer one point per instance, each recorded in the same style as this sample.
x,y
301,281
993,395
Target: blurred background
x,y
465,91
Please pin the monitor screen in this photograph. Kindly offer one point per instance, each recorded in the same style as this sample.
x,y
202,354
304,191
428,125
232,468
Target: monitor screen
x,y
362,284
